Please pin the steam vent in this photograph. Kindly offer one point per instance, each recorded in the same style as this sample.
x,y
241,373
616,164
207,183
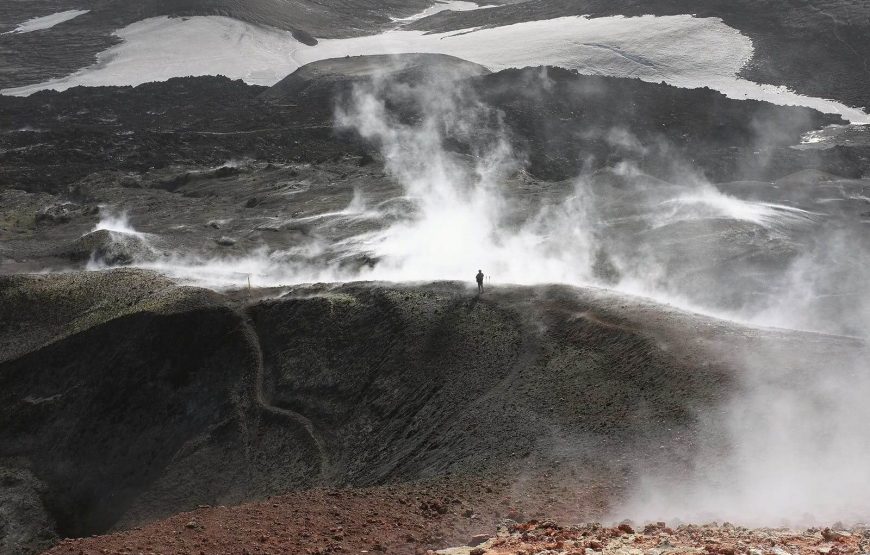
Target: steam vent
x,y
419,277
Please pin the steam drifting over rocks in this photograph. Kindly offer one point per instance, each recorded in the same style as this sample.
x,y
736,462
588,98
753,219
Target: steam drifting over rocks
x,y
213,292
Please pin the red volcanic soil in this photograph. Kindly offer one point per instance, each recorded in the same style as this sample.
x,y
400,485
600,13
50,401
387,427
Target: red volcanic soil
x,y
479,517
407,518
549,538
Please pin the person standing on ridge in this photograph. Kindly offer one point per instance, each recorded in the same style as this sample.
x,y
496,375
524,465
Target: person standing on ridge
x,y
480,281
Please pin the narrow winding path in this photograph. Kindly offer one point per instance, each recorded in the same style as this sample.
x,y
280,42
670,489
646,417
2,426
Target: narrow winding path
x,y
265,404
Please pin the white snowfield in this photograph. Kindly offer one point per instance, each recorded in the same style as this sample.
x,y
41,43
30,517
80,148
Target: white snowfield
x,y
681,50
46,21
454,5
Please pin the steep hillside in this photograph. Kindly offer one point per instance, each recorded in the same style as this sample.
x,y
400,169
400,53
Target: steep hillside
x,y
126,398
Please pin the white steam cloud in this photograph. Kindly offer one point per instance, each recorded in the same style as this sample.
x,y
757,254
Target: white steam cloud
x,y
117,222
790,448
460,218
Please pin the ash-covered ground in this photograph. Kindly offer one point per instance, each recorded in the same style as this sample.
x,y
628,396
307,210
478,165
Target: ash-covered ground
x,y
257,303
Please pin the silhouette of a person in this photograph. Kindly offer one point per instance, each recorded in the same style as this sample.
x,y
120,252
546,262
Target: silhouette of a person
x,y
480,281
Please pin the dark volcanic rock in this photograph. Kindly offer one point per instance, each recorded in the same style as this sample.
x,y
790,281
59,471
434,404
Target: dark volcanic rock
x,y
55,139
25,525
328,78
567,123
205,121
108,247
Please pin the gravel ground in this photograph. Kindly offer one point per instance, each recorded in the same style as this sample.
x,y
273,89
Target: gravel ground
x,y
411,518
474,517
549,538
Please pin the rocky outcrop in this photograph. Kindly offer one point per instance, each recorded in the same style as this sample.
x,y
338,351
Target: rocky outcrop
x,y
660,539
329,78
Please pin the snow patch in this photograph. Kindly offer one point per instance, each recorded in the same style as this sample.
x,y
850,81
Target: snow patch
x,y
452,5
46,22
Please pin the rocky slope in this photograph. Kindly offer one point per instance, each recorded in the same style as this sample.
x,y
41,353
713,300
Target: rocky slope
x,y
126,398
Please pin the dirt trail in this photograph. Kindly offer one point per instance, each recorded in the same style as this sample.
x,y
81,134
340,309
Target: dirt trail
x,y
292,416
